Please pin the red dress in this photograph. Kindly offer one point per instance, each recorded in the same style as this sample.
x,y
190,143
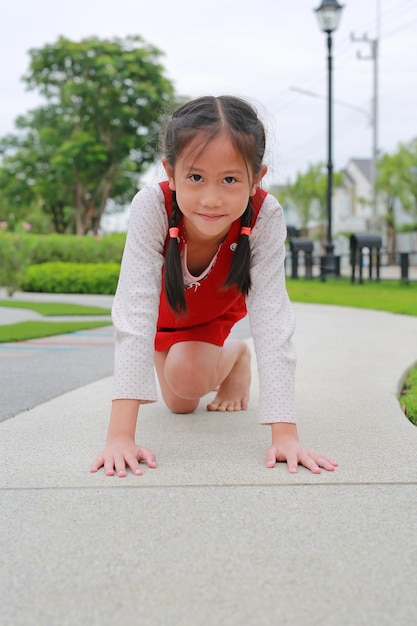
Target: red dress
x,y
212,311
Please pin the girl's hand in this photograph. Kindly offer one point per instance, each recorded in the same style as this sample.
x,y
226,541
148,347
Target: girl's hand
x,y
291,450
122,452
286,447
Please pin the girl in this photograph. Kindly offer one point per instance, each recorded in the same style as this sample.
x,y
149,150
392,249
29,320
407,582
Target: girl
x,y
201,247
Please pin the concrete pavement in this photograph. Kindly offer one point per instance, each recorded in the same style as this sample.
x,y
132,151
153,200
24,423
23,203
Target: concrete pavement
x,y
33,372
212,537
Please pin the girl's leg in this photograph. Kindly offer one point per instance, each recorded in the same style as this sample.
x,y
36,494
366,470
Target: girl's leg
x,y
191,369
234,383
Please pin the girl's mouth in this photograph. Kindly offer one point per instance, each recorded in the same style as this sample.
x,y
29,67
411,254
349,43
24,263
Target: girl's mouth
x,y
210,217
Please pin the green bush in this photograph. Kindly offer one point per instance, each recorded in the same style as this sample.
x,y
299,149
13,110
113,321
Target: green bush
x,y
69,248
15,253
98,278
77,249
408,397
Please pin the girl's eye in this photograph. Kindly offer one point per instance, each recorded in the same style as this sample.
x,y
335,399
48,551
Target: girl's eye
x,y
230,180
196,178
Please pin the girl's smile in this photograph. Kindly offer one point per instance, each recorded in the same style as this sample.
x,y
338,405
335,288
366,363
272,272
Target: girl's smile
x,y
210,218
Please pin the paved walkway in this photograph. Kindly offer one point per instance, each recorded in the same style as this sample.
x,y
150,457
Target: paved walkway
x,y
34,371
212,537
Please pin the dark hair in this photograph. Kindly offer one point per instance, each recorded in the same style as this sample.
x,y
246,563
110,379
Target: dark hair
x,y
213,116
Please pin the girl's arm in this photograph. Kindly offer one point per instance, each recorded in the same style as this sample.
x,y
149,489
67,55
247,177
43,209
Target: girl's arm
x,y
120,450
135,306
134,314
272,324
271,316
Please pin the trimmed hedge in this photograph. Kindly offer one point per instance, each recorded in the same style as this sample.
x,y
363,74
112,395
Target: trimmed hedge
x,y
99,278
68,248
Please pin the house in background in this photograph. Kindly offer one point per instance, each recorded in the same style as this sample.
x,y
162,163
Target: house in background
x,y
353,202
353,211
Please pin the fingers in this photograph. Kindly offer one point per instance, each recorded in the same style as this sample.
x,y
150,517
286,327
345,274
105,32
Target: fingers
x,y
309,463
149,457
271,458
292,463
99,462
327,463
120,462
314,461
299,455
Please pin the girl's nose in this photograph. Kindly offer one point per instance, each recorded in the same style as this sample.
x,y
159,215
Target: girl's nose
x,y
211,198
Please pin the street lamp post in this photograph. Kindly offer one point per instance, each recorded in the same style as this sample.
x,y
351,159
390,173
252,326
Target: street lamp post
x,y
328,15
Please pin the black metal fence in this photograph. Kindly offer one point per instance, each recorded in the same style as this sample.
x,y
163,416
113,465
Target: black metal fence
x,y
365,261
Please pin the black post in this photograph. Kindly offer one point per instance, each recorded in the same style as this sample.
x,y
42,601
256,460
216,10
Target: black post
x,y
330,264
329,243
404,267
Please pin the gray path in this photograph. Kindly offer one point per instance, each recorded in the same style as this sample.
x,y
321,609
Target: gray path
x,y
212,537
35,371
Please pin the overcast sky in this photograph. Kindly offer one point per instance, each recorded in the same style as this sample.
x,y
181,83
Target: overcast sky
x,y
257,49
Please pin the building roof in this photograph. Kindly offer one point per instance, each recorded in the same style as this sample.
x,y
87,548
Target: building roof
x,y
365,166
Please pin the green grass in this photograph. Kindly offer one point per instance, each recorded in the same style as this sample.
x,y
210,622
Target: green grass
x,y
55,308
23,331
389,296
408,398
36,330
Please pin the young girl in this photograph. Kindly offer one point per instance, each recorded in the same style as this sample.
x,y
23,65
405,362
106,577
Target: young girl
x,y
201,247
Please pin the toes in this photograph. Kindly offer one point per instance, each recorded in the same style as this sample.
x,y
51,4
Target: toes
x,y
226,405
217,405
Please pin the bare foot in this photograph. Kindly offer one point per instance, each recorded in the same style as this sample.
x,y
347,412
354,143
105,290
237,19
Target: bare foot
x,y
233,392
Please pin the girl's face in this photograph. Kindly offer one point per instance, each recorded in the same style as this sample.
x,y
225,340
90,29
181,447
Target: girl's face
x,y
212,187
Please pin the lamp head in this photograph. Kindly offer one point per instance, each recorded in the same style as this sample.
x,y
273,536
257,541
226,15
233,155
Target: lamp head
x,y
328,15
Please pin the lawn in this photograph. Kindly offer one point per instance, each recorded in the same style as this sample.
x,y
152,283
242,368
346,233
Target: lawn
x,y
49,309
391,296
23,331
408,398
36,330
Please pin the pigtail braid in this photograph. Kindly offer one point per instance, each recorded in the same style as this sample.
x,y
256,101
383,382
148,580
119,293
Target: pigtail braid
x,y
239,273
174,281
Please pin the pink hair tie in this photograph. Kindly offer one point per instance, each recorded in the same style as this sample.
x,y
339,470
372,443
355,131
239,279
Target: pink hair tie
x,y
174,232
245,230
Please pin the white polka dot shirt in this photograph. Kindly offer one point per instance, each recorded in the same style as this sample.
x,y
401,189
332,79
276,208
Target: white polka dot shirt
x,y
135,307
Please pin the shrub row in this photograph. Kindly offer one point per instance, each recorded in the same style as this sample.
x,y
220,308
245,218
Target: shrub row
x,y
98,278
67,248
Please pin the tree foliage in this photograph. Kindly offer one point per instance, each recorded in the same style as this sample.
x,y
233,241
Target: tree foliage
x,y
307,195
397,177
105,102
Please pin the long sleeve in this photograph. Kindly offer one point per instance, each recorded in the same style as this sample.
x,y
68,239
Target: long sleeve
x,y
135,307
271,316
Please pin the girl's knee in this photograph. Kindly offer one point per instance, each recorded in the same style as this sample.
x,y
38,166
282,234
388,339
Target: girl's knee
x,y
188,376
190,385
182,406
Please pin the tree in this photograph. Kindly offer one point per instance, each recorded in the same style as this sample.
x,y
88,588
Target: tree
x,y
397,177
106,101
30,177
308,194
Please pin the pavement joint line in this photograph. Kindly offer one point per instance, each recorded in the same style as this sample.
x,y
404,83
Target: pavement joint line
x,y
216,486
